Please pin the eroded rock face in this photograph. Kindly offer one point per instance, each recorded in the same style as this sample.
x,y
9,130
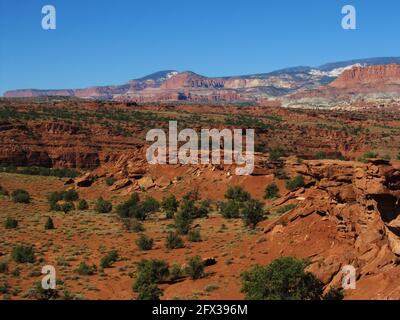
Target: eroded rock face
x,y
381,74
351,216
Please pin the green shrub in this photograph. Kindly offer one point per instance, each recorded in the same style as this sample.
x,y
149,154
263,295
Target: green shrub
x,y
173,241
83,205
170,206
286,208
133,208
272,191
150,292
230,209
11,223
109,259
41,171
280,174
4,288
144,243
150,205
203,210
334,294
110,181
54,206
123,209
296,183
150,272
211,288
368,155
86,270
49,224
103,206
67,207
55,196
275,154
20,196
38,293
237,193
195,267
136,226
176,272
70,195
283,279
194,235
253,213
3,267
320,155
3,192
23,254
183,219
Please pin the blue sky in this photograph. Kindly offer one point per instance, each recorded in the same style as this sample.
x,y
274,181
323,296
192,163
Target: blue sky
x,y
99,42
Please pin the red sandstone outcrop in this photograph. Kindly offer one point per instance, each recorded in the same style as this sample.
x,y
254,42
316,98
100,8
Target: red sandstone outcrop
x,y
358,76
350,216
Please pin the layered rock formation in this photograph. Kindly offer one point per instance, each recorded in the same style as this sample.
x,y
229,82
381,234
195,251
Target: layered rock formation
x,y
377,75
348,215
188,86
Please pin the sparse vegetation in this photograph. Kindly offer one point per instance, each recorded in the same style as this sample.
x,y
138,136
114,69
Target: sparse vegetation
x,y
49,225
283,279
173,241
275,154
103,206
86,270
272,191
176,272
144,243
184,218
368,155
83,205
253,213
11,223
194,235
70,195
136,226
230,209
194,268
38,293
20,196
286,208
134,208
149,274
170,206
3,266
321,155
110,181
23,254
296,183
41,171
237,193
67,207
109,259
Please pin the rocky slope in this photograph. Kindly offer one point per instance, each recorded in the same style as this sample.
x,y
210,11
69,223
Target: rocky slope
x,y
348,215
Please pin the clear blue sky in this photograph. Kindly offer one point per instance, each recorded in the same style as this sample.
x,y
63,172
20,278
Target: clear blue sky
x,y
100,42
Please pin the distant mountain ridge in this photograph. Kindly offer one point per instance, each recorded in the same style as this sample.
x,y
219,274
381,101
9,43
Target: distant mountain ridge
x,y
172,85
